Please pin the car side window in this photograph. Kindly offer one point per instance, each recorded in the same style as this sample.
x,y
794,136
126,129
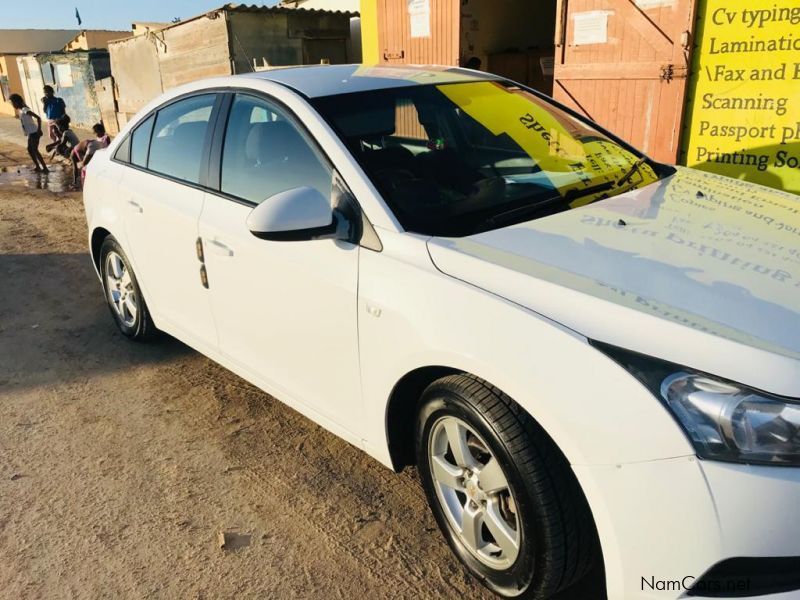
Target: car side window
x,y
176,147
140,142
265,153
123,153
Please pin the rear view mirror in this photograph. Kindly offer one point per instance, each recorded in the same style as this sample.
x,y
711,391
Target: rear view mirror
x,y
299,214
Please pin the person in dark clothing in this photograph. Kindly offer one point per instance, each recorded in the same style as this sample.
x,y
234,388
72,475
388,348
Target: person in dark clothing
x,y
474,63
54,108
32,127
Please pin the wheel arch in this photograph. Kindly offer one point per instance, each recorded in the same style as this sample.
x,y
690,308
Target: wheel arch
x,y
403,405
401,411
99,234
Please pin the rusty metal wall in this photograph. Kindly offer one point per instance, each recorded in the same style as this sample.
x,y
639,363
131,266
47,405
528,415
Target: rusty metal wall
x,y
137,74
292,38
397,46
194,50
634,83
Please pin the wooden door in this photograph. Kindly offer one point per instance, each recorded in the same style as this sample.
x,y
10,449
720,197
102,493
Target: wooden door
x,y
630,72
32,81
439,47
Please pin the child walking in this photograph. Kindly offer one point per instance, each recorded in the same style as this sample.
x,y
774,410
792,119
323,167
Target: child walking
x,y
32,126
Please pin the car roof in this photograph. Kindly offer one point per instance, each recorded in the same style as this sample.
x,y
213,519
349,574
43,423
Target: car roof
x,y
316,81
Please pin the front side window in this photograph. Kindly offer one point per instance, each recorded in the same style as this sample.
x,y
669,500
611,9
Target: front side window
x,y
176,147
265,153
460,158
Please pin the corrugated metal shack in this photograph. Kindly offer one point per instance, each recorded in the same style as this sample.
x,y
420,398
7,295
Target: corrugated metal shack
x,y
224,41
73,75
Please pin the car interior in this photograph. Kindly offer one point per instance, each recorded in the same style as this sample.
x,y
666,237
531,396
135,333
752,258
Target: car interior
x,y
265,154
431,160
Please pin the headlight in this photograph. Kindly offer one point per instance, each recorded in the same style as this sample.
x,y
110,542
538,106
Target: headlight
x,y
731,422
724,420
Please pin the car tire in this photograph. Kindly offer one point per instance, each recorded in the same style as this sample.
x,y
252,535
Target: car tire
x,y
544,511
123,295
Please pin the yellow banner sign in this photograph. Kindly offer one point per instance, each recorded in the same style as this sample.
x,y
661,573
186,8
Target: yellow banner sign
x,y
744,110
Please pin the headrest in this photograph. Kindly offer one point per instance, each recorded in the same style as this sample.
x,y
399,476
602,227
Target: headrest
x,y
253,141
191,135
274,141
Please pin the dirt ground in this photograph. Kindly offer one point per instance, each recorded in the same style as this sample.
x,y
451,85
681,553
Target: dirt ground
x,y
121,462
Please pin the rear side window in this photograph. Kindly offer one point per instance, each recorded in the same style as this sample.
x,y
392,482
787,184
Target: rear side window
x,y
265,153
123,153
140,141
176,147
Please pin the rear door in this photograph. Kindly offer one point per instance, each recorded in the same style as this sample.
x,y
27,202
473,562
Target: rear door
x,y
162,198
624,64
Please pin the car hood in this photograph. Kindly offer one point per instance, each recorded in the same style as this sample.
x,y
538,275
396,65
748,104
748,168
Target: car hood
x,y
697,269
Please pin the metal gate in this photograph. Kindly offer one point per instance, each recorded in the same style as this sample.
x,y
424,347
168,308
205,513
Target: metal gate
x,y
624,64
400,43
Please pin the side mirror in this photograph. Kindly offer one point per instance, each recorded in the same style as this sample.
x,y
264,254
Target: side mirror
x,y
299,214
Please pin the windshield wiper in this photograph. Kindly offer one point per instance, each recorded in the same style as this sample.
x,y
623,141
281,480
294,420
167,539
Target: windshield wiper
x,y
631,172
521,213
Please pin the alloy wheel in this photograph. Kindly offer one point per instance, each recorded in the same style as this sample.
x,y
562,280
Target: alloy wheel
x,y
120,290
474,493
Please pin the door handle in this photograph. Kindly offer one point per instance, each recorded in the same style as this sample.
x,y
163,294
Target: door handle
x,y
219,248
135,206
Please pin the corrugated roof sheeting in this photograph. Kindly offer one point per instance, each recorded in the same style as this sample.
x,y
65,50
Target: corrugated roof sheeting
x,y
282,9
253,8
27,41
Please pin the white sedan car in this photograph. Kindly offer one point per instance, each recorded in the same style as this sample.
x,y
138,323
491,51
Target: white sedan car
x,y
592,359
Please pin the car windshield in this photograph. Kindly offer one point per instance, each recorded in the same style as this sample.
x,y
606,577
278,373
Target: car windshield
x,y
460,158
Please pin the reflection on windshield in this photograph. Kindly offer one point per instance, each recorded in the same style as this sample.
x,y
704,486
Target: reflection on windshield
x,y
458,158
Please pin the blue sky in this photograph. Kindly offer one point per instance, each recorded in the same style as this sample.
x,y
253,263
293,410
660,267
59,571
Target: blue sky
x,y
102,14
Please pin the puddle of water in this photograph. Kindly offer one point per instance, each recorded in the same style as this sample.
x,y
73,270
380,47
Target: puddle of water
x,y
58,180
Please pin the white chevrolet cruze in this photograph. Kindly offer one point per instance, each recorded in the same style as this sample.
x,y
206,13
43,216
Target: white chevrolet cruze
x,y
593,359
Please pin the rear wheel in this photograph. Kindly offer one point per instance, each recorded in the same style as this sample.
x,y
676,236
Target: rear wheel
x,y
123,296
502,493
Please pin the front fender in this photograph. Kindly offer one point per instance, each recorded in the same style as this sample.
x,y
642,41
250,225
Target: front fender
x,y
412,316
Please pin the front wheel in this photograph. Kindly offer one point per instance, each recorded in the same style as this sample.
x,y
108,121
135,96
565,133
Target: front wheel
x,y
502,493
123,296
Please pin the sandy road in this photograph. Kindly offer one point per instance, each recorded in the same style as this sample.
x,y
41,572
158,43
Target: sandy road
x,y
120,462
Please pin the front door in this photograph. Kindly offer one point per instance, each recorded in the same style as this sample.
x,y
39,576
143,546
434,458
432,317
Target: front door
x,y
624,64
162,208
419,32
285,311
